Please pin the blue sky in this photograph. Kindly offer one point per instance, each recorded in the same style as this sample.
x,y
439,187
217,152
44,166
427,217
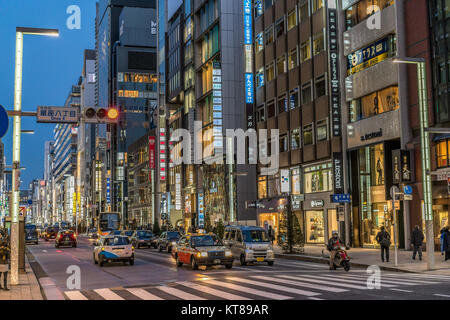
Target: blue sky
x,y
51,66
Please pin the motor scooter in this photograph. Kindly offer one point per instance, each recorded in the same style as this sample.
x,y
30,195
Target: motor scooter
x,y
341,258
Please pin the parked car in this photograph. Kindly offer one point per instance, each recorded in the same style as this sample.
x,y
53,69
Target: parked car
x,y
128,233
113,249
249,244
66,238
142,238
202,249
167,240
31,234
51,233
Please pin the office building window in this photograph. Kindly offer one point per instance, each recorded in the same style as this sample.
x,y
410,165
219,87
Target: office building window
x,y
443,153
305,50
306,93
292,19
321,87
279,27
260,114
308,136
293,99
281,65
303,10
293,59
322,130
259,42
262,187
363,9
284,143
295,180
273,185
271,109
317,4
318,178
381,101
318,43
91,78
267,4
295,139
270,72
258,8
268,35
260,78
282,104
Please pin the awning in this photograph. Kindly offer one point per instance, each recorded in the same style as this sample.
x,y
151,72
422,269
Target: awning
x,y
439,137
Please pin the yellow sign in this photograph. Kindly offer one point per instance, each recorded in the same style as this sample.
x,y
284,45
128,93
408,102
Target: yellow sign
x,y
367,64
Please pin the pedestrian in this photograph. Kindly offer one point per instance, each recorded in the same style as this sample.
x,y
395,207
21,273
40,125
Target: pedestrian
x,y
271,234
447,243
417,242
442,241
4,263
384,239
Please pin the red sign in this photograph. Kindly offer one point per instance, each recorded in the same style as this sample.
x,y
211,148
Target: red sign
x,y
151,155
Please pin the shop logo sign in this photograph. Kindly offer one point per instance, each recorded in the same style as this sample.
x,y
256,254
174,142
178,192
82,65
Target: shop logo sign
x,y
372,135
317,203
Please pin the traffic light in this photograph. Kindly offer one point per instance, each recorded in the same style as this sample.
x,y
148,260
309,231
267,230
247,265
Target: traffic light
x,y
101,115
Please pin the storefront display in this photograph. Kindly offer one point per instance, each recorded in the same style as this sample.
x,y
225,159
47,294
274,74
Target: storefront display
x,y
332,222
269,219
315,227
318,178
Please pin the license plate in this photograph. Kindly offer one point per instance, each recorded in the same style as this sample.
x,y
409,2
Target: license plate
x,y
260,259
217,261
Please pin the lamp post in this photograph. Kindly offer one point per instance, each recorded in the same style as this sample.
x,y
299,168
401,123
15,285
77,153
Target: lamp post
x,y
17,122
425,152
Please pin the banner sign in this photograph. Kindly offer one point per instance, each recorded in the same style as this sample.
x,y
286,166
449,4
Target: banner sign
x,y
48,114
368,56
338,172
201,210
402,163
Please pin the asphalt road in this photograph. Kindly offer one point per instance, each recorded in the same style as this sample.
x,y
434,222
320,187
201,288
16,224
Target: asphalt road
x,y
154,276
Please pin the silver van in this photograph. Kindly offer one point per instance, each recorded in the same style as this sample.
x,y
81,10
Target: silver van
x,y
249,244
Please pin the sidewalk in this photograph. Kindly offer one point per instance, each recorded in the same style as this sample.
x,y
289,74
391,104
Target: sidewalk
x,y
28,288
364,257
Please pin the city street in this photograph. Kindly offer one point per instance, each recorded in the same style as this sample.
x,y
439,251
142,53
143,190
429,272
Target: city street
x,y
155,277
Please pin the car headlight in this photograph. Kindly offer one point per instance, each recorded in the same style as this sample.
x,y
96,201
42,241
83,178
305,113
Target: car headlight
x,y
103,249
202,254
228,253
173,243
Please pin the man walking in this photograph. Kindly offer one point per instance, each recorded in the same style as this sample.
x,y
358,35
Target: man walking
x,y
4,263
384,239
447,243
271,234
417,241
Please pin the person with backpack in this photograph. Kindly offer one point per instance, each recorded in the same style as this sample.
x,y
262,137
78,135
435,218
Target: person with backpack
x,y
4,263
417,242
384,239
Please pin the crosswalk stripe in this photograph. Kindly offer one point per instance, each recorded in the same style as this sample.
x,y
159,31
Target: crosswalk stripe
x,y
300,265
180,294
331,283
302,284
421,277
143,294
75,295
352,280
390,278
384,280
401,290
107,294
276,287
211,291
442,295
255,292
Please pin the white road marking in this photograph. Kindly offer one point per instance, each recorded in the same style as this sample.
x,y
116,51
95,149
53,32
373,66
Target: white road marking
x,y
276,287
302,284
180,294
442,295
401,290
315,298
384,280
143,294
390,278
353,280
75,295
108,294
309,278
255,292
211,291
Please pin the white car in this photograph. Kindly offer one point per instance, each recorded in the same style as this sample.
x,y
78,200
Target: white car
x,y
113,249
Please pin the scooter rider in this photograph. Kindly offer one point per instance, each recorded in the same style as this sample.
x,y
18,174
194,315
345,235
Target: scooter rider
x,y
333,246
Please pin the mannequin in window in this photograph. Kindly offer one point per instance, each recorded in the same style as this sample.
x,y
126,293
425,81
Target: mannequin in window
x,y
376,108
380,172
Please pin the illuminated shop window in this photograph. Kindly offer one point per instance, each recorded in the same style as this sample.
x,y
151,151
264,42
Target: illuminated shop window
x,y
318,178
262,187
378,102
363,9
442,153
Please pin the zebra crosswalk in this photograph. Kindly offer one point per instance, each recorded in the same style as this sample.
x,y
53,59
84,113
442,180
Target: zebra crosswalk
x,y
276,286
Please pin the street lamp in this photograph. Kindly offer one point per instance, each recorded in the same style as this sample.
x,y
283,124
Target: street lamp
x,y
17,122
425,151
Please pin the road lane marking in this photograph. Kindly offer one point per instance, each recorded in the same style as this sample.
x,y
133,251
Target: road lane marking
x,y
331,283
442,295
180,294
143,294
255,292
211,291
107,294
276,287
401,290
302,284
75,295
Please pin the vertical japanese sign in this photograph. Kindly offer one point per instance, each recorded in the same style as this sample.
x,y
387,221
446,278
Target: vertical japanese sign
x,y
177,191
248,56
201,210
108,190
162,154
217,108
332,26
338,173
151,154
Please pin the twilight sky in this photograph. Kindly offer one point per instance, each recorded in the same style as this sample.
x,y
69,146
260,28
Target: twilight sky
x,y
51,66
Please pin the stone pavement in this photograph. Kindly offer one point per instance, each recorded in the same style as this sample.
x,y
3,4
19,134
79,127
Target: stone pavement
x,y
28,288
364,257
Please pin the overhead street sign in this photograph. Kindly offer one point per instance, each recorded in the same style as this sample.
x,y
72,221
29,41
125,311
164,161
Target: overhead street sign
x,y
341,198
47,114
4,122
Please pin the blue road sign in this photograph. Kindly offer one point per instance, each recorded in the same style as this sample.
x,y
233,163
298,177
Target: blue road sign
x,y
30,202
4,122
407,190
341,198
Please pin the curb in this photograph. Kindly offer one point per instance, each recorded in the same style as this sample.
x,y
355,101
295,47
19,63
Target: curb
x,y
325,261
